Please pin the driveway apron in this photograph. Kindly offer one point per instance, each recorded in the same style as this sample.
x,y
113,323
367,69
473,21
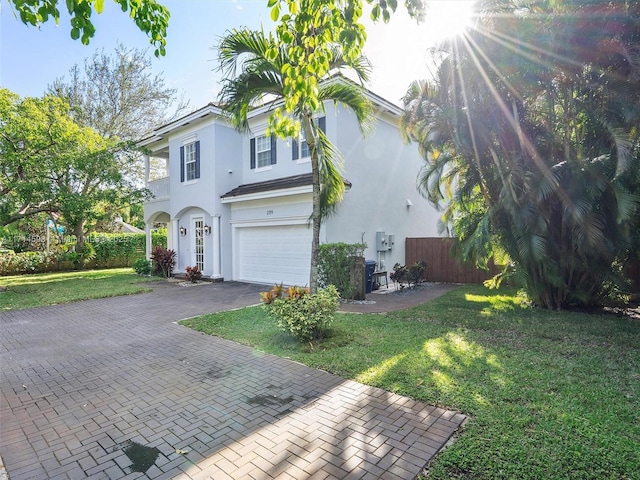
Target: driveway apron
x,y
114,388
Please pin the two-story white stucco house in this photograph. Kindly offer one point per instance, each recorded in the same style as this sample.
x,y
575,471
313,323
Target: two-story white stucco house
x,y
238,205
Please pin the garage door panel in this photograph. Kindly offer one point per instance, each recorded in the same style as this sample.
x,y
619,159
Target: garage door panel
x,y
274,254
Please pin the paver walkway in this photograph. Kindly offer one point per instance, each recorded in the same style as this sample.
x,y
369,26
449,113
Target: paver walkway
x,y
102,388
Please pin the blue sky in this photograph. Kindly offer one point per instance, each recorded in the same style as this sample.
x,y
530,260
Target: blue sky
x,y
32,58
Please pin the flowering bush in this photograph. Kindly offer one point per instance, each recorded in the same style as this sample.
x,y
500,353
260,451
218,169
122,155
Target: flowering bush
x,y
193,274
306,317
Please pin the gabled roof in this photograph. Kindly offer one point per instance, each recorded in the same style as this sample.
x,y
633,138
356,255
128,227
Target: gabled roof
x,y
212,109
127,228
379,102
277,184
157,134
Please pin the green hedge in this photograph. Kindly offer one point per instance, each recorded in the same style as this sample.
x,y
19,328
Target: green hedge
x,y
335,263
120,249
111,250
28,262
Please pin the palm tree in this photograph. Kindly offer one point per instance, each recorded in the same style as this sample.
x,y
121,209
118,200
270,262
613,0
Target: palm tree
x,y
532,126
253,76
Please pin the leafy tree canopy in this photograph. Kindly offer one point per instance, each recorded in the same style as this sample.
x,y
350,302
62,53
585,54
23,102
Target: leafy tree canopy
x,y
118,95
49,164
530,134
308,31
150,16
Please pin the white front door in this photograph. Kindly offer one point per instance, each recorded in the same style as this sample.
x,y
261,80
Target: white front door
x,y
197,246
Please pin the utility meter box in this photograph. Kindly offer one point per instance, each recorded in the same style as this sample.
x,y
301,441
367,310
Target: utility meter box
x,y
381,242
391,240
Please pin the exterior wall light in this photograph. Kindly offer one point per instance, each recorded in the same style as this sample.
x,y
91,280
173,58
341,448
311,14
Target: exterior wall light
x,y
183,231
207,229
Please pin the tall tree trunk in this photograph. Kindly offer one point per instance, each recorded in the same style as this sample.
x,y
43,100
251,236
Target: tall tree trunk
x,y
315,241
312,142
78,231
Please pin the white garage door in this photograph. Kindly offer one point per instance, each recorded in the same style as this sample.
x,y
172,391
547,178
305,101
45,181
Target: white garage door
x,y
274,254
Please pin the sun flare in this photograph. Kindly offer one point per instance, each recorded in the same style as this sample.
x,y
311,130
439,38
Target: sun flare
x,y
447,18
400,51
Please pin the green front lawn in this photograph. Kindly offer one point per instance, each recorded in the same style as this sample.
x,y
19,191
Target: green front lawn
x,y
28,291
550,394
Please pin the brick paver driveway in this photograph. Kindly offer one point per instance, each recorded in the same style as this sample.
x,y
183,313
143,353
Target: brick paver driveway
x,y
113,388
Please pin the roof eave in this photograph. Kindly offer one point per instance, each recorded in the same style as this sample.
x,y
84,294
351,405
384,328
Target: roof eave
x,y
158,134
281,192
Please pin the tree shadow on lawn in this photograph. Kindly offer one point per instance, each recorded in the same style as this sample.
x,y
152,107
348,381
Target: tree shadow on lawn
x,y
534,381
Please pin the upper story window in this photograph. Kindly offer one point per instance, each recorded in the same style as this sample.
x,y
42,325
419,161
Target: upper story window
x,y
300,147
263,151
190,161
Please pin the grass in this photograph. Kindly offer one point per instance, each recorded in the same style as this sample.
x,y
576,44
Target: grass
x,y
28,291
550,394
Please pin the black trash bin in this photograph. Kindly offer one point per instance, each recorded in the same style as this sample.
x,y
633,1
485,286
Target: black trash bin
x,y
369,268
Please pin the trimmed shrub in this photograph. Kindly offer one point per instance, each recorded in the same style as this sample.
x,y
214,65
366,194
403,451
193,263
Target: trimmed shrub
x,y
108,250
142,266
26,262
306,317
163,261
121,249
335,263
411,276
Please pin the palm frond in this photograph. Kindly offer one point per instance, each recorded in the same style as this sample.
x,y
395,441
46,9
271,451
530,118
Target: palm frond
x,y
351,96
238,96
251,75
623,148
627,205
420,111
360,66
332,185
240,47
